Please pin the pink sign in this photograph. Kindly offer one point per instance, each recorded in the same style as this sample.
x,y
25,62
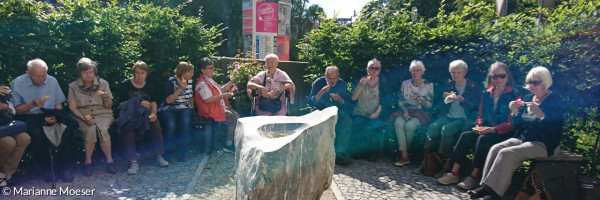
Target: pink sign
x,y
266,17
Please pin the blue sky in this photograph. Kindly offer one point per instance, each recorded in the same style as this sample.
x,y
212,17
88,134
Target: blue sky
x,y
344,8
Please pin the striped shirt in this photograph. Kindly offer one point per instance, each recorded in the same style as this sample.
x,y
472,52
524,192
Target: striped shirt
x,y
182,101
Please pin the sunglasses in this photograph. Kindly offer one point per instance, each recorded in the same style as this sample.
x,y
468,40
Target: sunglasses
x,y
374,68
498,76
535,83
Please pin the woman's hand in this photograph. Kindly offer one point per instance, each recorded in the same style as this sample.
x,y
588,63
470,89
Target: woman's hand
x,y
153,117
482,130
406,115
3,106
374,115
227,95
514,107
535,108
363,81
4,90
146,104
182,83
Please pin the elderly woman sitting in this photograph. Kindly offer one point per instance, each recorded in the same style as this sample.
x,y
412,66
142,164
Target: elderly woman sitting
x,y
176,112
538,120
493,126
211,101
12,147
415,99
270,85
371,95
462,98
90,101
138,87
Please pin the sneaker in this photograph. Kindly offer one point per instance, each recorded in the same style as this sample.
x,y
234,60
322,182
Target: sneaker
x,y
87,169
419,169
111,168
448,179
161,162
133,168
3,180
402,162
468,183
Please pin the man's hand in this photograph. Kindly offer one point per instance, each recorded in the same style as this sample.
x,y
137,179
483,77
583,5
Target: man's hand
x,y
39,102
51,120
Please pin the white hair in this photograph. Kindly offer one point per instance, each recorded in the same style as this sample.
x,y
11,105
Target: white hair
x,y
416,64
458,63
272,56
37,62
373,61
331,69
540,73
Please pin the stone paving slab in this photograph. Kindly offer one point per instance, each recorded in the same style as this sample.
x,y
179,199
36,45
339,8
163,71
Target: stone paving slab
x,y
151,182
382,180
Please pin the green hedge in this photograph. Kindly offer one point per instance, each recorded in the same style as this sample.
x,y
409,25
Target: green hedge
x,y
567,42
113,34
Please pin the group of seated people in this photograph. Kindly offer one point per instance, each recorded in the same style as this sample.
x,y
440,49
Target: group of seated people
x,y
499,126
37,99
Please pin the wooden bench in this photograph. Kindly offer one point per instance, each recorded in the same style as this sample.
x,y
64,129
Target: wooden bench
x,y
561,174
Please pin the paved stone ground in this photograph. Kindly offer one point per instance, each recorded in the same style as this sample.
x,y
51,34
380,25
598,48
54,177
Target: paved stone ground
x,y
382,180
213,177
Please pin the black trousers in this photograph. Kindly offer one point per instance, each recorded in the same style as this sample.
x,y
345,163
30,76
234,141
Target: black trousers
x,y
40,146
480,144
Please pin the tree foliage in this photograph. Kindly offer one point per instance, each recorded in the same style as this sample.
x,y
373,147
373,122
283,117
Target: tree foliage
x,y
113,33
566,41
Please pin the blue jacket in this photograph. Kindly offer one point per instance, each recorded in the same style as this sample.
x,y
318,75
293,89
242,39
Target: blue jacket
x,y
133,117
549,130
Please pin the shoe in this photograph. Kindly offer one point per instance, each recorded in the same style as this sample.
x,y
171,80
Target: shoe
x,y
448,179
441,173
402,162
490,197
372,157
477,192
161,162
343,161
133,168
66,176
3,180
111,168
468,183
229,149
87,169
419,169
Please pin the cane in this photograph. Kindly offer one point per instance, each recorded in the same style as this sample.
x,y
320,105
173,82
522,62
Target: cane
x,y
52,169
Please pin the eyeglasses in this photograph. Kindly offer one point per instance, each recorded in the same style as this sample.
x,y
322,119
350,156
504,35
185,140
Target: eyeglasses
x,y
535,83
498,76
374,68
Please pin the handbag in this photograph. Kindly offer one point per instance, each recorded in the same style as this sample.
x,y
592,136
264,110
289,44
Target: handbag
x,y
534,191
12,128
269,104
433,162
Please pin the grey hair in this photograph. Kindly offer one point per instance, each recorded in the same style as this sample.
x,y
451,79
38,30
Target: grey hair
x,y
373,61
85,64
416,64
331,69
272,56
539,72
459,63
38,61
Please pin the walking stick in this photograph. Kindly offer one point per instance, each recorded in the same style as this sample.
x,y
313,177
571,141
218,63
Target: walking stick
x,y
52,169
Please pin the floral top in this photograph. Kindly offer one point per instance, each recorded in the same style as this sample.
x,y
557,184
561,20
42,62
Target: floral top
x,y
425,91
